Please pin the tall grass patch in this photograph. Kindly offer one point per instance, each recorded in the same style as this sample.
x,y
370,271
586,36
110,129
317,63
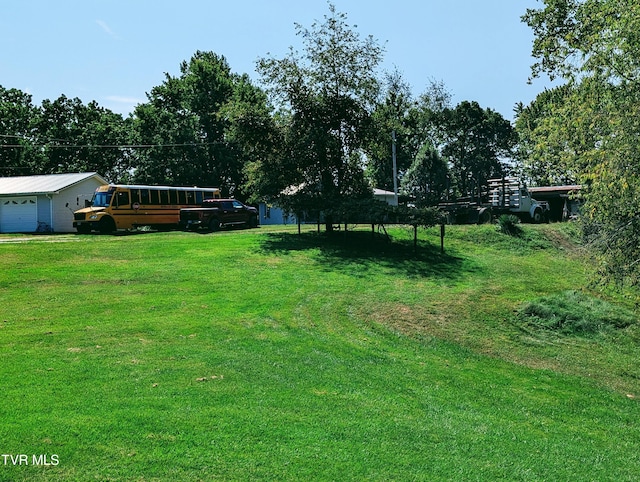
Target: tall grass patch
x,y
574,312
509,224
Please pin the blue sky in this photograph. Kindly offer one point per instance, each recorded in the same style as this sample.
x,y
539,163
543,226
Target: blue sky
x,y
115,51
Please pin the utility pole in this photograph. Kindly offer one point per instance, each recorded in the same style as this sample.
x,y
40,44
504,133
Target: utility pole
x,y
395,167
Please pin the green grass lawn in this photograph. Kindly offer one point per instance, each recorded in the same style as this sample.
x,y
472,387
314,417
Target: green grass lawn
x,y
268,355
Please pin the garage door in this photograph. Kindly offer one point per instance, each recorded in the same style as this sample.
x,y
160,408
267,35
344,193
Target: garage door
x,y
18,214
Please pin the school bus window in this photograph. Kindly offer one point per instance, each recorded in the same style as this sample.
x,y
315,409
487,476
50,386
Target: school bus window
x,y
154,196
101,199
122,199
191,198
173,196
208,194
135,196
182,198
164,197
144,196
198,197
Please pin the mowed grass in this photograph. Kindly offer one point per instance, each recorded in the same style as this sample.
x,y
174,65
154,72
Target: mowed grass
x,y
267,355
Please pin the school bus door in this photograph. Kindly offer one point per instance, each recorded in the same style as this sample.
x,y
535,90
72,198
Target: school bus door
x,y
123,212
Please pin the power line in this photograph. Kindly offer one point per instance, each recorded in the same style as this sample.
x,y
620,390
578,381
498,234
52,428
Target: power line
x,y
28,139
107,146
98,146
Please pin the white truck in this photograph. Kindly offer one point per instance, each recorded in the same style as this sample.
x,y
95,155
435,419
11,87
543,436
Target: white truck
x,y
505,196
510,196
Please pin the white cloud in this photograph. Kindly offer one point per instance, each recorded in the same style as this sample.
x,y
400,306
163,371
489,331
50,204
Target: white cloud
x,y
103,25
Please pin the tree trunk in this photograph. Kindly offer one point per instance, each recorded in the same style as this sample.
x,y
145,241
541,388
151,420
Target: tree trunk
x,y
328,223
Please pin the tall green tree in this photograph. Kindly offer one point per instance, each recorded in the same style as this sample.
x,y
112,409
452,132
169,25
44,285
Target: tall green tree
x,y
197,126
431,105
426,178
61,136
74,137
544,155
594,46
394,117
414,122
328,94
477,142
18,156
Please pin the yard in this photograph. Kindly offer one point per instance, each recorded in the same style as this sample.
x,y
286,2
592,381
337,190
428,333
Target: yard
x,y
268,355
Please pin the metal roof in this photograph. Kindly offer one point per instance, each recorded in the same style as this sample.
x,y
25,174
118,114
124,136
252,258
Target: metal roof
x,y
47,184
556,189
382,192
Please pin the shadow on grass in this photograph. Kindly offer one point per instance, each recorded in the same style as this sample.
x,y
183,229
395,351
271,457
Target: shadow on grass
x,y
360,252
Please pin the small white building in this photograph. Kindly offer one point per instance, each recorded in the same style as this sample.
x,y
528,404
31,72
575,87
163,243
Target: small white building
x,y
29,204
387,196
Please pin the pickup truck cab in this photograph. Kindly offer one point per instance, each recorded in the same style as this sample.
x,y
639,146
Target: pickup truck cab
x,y
509,195
214,214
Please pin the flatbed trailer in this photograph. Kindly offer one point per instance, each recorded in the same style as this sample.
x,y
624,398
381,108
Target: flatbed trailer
x,y
506,196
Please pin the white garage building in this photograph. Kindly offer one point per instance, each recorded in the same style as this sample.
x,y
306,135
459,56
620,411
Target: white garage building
x,y
44,203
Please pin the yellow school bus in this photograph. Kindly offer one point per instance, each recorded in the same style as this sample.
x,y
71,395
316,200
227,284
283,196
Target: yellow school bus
x,y
127,206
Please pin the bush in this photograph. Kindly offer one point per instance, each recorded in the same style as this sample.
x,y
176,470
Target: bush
x,y
509,224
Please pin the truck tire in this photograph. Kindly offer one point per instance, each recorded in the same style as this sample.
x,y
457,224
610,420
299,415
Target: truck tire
x,y
484,216
253,222
537,216
214,225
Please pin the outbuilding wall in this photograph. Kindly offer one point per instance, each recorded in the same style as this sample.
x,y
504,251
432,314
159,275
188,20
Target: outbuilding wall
x,y
69,200
274,215
42,210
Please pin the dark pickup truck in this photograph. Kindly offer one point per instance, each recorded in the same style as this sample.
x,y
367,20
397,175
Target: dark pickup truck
x,y
217,213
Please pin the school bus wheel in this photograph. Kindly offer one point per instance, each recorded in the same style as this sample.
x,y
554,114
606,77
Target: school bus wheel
x,y
107,225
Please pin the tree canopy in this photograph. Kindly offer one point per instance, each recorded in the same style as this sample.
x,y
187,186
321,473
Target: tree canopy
x,y
196,126
75,137
594,46
477,141
60,136
415,122
17,153
199,128
326,96
543,154
426,179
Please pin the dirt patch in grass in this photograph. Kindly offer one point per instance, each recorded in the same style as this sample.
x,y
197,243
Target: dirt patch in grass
x,y
429,320
563,241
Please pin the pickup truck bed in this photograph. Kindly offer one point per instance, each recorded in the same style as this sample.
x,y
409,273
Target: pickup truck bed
x,y
218,213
